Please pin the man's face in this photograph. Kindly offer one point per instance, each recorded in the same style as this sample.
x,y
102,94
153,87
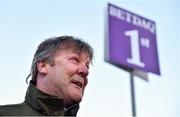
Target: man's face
x,y
68,75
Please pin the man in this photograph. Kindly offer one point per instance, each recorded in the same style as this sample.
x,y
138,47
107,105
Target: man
x,y
59,76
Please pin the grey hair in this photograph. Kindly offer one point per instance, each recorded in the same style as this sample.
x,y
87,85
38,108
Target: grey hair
x,y
47,50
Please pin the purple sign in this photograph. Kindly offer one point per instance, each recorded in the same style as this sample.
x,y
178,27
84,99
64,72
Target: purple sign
x,y
131,41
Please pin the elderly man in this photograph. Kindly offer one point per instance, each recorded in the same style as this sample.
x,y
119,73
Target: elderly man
x,y
59,76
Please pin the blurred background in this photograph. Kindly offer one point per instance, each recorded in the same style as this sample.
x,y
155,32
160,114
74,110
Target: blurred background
x,y
24,24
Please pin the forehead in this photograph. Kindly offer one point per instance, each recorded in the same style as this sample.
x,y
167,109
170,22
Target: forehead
x,y
71,52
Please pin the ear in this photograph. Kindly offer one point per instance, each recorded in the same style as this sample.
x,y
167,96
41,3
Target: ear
x,y
42,67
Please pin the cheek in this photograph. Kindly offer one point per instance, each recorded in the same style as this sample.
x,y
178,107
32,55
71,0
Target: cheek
x,y
69,69
57,75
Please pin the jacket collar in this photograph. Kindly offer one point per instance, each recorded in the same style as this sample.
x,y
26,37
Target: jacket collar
x,y
48,104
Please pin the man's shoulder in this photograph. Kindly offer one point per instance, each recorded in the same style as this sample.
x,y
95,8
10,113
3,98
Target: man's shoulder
x,y
16,109
13,105
9,109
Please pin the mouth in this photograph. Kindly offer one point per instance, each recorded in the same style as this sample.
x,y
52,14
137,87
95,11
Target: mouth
x,y
78,83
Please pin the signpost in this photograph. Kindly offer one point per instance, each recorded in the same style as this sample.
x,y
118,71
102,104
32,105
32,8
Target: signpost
x,y
131,44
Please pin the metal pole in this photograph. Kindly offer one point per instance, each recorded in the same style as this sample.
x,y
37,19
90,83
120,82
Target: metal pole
x,y
132,94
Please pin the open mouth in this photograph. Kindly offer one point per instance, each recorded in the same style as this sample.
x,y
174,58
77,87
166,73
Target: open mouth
x,y
77,83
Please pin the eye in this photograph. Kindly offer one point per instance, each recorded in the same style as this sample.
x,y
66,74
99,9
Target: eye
x,y
87,65
74,59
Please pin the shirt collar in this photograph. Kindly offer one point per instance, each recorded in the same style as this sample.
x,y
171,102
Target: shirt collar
x,y
48,104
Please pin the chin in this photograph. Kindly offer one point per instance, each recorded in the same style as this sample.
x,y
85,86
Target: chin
x,y
75,94
76,97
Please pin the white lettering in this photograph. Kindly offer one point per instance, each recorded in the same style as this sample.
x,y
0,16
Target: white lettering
x,y
145,42
132,18
135,49
128,17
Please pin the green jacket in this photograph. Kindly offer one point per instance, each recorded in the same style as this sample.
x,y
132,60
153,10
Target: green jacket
x,y
38,103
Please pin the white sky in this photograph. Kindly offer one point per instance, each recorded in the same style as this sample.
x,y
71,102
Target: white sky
x,y
23,25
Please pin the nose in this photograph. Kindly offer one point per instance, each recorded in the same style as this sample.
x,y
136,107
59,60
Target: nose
x,y
83,71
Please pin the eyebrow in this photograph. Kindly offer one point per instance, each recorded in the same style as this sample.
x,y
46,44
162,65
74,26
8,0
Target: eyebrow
x,y
79,54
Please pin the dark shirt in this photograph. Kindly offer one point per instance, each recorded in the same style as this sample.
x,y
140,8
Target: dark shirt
x,y
38,103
